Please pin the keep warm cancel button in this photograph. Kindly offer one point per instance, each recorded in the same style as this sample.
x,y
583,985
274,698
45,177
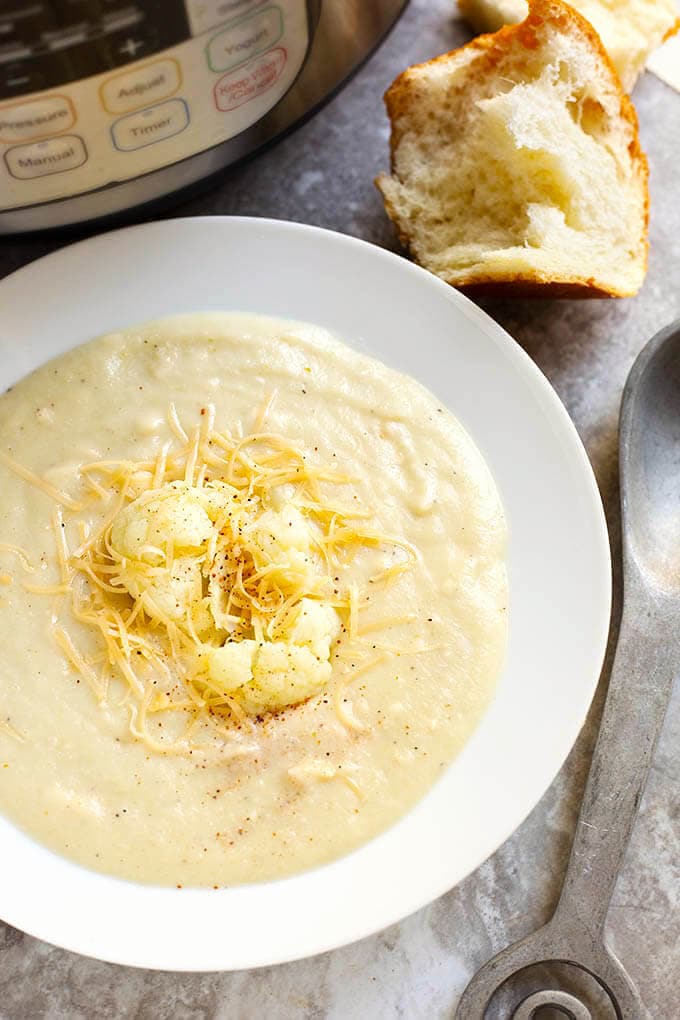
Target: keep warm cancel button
x,y
244,84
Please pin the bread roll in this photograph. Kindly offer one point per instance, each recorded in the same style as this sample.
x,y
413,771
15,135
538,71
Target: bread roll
x,y
630,30
516,163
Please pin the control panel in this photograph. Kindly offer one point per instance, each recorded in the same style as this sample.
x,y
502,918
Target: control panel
x,y
94,92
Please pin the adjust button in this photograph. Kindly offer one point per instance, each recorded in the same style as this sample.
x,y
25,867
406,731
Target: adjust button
x,y
53,156
36,118
132,90
246,38
146,127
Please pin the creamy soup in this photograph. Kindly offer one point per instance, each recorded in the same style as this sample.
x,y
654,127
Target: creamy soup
x,y
253,599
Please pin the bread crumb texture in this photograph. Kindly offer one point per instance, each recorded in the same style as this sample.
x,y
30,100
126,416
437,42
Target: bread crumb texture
x,y
516,163
630,30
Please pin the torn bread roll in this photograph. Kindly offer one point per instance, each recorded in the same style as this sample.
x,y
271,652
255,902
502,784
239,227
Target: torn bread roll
x,y
630,30
516,163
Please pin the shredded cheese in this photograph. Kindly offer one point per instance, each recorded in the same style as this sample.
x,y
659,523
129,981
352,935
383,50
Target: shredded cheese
x,y
45,589
11,731
320,771
383,624
77,661
265,411
353,599
61,544
24,558
211,582
38,483
174,423
343,709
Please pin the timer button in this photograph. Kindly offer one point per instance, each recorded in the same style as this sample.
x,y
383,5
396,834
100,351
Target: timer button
x,y
154,124
243,40
132,90
36,118
53,156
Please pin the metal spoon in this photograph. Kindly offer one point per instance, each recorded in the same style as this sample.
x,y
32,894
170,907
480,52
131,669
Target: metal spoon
x,y
647,660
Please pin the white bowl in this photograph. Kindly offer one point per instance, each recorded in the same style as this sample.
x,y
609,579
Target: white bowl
x,y
559,571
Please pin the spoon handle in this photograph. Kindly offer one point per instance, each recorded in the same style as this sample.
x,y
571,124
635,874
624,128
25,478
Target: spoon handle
x,y
639,690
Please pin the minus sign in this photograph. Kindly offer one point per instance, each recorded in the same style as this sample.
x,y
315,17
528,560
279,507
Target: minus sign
x,y
18,81
69,40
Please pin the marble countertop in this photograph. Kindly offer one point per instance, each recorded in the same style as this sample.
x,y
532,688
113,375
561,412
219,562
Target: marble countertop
x,y
322,174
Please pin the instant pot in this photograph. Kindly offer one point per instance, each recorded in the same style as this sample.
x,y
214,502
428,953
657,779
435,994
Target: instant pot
x,y
107,105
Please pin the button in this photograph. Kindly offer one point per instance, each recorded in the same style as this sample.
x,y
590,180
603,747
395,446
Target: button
x,y
52,156
146,127
22,122
206,14
132,90
240,42
251,80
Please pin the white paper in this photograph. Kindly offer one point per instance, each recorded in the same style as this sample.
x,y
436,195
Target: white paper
x,y
665,62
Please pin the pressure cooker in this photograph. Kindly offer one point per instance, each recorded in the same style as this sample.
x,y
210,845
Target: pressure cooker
x,y
107,105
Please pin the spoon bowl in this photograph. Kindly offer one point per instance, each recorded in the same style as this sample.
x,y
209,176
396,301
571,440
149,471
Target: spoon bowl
x,y
650,461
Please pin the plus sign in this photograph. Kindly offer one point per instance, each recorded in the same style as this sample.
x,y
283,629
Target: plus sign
x,y
130,47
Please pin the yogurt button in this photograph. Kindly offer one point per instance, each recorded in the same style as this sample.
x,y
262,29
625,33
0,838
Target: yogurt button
x,y
240,42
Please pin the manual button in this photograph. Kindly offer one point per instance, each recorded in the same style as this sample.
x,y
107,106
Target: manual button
x,y
36,118
131,90
146,127
53,156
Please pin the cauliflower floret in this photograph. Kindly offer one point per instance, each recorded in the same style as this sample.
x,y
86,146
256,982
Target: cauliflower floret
x,y
282,539
218,601
314,624
204,622
283,674
216,497
266,676
142,532
173,592
175,513
280,495
231,666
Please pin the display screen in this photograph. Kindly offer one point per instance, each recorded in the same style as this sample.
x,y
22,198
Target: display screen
x,y
50,43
